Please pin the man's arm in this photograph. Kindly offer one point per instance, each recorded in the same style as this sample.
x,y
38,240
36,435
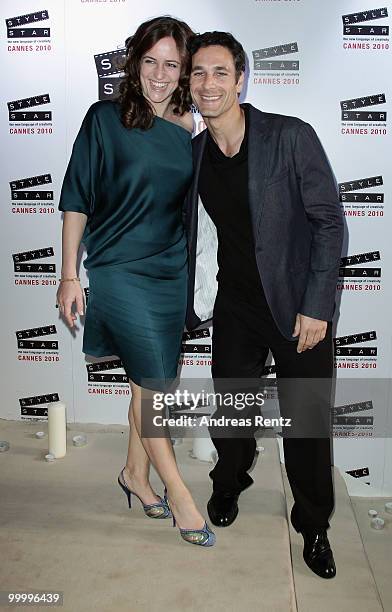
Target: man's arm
x,y
323,211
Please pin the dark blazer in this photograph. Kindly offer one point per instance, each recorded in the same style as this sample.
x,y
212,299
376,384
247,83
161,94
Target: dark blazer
x,y
296,218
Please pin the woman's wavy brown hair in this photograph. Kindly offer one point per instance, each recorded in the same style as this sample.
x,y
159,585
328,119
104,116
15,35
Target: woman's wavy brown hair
x,y
136,111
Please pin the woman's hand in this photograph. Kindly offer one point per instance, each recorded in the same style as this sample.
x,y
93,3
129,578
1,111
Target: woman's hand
x,y
68,293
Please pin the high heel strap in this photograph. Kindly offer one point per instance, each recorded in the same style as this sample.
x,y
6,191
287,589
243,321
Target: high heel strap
x,y
202,537
168,505
158,509
127,492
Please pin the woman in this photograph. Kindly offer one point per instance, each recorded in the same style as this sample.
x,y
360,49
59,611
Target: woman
x,y
122,195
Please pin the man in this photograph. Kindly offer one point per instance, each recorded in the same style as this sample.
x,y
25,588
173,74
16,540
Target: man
x,y
263,214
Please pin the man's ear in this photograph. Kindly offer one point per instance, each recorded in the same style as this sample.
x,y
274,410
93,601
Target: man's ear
x,y
240,82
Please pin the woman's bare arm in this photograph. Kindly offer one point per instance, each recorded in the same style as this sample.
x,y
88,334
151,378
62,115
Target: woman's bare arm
x,y
69,292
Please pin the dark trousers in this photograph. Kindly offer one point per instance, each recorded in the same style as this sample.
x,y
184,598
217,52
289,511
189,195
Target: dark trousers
x,y
243,334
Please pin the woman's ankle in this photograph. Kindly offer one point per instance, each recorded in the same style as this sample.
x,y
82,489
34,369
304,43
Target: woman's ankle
x,y
135,474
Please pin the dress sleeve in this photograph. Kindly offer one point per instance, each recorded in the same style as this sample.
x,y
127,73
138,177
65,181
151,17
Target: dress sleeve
x,y
79,190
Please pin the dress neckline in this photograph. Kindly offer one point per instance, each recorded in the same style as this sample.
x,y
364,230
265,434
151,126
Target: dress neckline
x,y
173,123
117,107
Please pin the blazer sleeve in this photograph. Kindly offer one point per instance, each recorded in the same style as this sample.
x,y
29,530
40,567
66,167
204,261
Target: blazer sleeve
x,y
81,181
324,214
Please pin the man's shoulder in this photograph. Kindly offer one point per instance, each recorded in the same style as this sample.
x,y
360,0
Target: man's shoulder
x,y
275,120
285,124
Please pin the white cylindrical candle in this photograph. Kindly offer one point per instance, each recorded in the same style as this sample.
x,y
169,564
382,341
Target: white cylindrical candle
x,y
57,429
377,523
203,448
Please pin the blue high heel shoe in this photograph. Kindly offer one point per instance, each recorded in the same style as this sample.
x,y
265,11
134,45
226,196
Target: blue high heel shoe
x,y
201,537
158,510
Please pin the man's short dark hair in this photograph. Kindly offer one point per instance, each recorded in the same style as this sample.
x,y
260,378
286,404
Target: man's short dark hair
x,y
222,39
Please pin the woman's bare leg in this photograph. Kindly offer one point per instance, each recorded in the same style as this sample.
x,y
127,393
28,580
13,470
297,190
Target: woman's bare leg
x,y
137,467
160,453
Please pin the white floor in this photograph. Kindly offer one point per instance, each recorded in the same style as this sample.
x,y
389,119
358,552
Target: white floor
x,y
67,526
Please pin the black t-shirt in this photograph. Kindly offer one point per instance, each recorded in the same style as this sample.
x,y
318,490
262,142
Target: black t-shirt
x,y
223,187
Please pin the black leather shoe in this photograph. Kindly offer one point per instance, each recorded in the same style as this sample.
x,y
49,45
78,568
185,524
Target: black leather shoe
x,y
222,508
318,554
317,551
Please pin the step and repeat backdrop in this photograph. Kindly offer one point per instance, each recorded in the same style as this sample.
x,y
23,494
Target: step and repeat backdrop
x,y
328,63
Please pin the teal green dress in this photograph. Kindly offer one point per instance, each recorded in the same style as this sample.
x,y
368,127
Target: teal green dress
x,y
131,185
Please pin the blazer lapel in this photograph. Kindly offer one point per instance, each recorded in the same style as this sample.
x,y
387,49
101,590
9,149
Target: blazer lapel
x,y
258,164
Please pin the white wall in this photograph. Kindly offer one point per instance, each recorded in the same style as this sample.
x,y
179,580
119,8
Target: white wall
x,y
62,65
